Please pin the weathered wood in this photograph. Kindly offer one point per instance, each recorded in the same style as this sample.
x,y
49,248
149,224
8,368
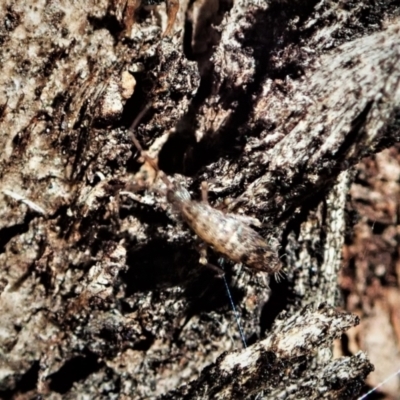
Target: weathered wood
x,y
281,364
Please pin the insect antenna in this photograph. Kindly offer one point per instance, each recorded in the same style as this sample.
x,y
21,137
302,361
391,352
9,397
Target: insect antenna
x,y
235,312
136,142
151,161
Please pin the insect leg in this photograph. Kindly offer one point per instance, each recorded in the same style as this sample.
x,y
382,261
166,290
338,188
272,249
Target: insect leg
x,y
248,220
220,272
202,247
203,253
204,192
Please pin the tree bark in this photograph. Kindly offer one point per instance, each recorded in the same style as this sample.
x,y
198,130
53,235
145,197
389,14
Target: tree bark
x,y
272,103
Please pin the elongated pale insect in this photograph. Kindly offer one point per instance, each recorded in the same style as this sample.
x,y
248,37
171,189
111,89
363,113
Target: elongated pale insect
x,y
228,234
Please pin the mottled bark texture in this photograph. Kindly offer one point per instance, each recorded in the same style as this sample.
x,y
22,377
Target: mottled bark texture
x,y
272,103
289,347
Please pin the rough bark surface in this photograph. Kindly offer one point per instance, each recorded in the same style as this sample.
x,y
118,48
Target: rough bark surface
x,y
289,347
272,103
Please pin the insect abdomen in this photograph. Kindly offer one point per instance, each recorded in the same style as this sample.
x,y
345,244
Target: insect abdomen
x,y
231,237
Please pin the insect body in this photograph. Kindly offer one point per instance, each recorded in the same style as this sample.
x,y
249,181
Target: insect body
x,y
228,234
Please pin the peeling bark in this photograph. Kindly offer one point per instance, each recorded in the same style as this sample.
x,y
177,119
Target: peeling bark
x,y
272,103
